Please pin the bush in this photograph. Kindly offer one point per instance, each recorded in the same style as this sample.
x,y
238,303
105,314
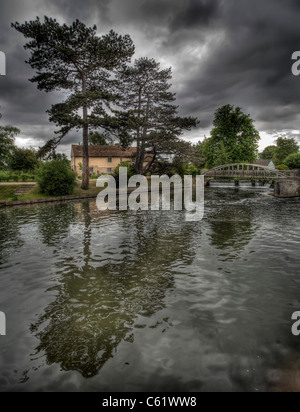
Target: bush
x,y
130,169
56,179
283,167
293,161
192,170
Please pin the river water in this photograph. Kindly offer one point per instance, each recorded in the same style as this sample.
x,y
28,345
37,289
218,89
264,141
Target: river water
x,y
144,301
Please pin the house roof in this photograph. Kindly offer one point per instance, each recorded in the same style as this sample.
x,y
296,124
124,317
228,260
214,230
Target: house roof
x,y
263,162
104,151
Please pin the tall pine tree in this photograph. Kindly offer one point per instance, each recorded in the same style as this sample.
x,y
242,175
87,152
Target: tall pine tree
x,y
153,121
74,59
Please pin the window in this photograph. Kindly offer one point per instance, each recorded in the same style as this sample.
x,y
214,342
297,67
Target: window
x,y
91,170
121,160
110,160
109,170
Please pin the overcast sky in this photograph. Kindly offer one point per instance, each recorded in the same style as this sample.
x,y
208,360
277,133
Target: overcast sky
x,y
221,51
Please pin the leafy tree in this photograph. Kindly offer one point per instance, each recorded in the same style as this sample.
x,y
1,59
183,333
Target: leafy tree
x,y
7,143
234,138
150,115
56,179
62,157
74,59
199,155
23,159
293,161
216,154
269,153
285,147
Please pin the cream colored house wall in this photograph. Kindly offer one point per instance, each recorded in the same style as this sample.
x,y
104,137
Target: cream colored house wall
x,y
99,164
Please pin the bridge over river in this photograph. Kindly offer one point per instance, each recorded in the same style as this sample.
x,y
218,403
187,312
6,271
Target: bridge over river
x,y
248,171
287,183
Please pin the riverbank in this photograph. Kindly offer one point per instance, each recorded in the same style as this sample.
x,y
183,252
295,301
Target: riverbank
x,y
9,198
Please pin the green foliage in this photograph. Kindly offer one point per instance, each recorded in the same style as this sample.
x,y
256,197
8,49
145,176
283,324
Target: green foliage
x,y
283,167
269,153
234,138
7,192
6,176
74,59
293,161
62,157
7,143
150,115
23,159
198,158
99,139
285,147
130,169
56,179
192,170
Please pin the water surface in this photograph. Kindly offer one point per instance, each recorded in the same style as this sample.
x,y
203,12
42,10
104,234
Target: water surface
x,y
138,301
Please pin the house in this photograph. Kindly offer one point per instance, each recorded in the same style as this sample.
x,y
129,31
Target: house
x,y
266,163
103,159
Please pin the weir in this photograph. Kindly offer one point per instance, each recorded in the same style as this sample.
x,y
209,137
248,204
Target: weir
x,y
258,184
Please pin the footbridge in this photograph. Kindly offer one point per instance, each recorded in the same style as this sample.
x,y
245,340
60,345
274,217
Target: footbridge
x,y
247,171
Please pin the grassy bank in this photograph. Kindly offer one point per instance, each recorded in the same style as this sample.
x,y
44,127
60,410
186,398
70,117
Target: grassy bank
x,y
8,192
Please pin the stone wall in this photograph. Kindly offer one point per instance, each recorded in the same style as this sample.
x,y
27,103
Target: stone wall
x,y
287,188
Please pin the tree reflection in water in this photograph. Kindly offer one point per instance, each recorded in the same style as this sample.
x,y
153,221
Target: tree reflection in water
x,y
122,275
232,225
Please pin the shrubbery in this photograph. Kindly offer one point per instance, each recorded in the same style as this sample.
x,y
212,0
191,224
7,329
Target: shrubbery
x,y
6,176
56,179
283,167
130,169
293,161
192,170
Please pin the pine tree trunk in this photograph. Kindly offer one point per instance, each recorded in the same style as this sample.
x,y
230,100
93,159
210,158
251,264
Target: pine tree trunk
x,y
138,140
85,143
143,143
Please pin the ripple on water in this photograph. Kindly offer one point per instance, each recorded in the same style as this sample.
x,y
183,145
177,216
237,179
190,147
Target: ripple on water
x,y
146,301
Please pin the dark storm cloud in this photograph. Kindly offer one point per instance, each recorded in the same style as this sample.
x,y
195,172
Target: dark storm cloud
x,y
221,51
196,13
89,11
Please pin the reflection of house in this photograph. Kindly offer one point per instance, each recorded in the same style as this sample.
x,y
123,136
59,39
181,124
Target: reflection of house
x,y
103,159
266,163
